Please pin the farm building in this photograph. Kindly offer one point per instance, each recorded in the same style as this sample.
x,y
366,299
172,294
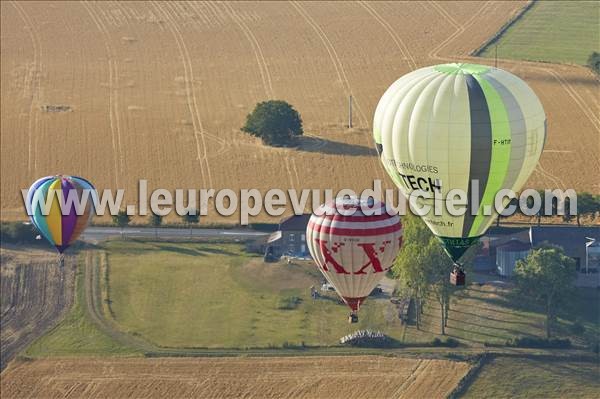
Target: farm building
x,y
592,256
572,239
500,248
290,238
508,254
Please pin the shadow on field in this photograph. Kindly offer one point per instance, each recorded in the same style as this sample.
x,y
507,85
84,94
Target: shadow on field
x,y
200,251
217,251
491,319
182,250
546,77
324,146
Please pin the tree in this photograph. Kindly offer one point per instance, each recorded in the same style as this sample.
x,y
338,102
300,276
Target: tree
x,y
190,218
594,62
546,275
121,219
411,265
155,221
587,204
276,122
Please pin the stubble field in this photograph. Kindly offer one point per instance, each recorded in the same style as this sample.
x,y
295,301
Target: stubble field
x,y
159,91
35,295
297,377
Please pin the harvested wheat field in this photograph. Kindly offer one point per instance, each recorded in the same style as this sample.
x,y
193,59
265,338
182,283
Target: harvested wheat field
x,y
306,377
119,91
35,295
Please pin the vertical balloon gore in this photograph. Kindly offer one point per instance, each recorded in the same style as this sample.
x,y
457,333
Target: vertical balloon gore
x,y
354,303
353,247
53,203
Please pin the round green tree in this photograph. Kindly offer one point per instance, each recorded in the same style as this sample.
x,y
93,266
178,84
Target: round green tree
x,y
276,122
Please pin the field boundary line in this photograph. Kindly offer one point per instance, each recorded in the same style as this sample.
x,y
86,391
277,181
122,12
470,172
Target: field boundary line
x,y
508,24
399,42
258,53
34,80
112,97
466,381
191,96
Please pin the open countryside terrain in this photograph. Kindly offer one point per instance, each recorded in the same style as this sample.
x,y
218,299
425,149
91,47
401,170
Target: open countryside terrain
x,y
297,377
117,91
480,314
35,295
556,31
541,377
183,297
121,91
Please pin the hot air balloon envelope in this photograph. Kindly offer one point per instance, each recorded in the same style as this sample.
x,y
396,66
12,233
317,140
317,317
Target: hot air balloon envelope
x,y
468,127
61,207
353,250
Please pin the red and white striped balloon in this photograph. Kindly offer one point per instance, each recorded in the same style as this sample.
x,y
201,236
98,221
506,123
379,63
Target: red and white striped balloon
x,y
353,250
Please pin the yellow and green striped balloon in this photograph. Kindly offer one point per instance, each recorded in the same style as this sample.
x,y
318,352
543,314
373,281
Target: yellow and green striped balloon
x,y
439,128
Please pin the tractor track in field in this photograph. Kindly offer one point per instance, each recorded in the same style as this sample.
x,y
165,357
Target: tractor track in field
x,y
32,86
199,134
460,28
333,55
390,30
256,49
93,306
113,94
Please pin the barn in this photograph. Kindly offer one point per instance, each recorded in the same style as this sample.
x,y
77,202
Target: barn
x,y
289,239
508,254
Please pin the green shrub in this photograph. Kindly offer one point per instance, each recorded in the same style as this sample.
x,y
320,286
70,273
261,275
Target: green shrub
x,y
535,342
289,302
17,233
448,342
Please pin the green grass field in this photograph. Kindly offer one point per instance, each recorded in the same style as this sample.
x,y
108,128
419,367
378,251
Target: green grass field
x,y
214,295
77,335
512,377
553,31
493,314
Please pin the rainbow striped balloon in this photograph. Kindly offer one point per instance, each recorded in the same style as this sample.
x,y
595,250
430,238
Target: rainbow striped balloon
x,y
48,195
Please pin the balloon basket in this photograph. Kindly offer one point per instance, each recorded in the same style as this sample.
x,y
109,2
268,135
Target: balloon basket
x,y
353,318
457,277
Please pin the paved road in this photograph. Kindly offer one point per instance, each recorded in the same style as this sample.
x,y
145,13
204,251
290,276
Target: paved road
x,y
102,233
